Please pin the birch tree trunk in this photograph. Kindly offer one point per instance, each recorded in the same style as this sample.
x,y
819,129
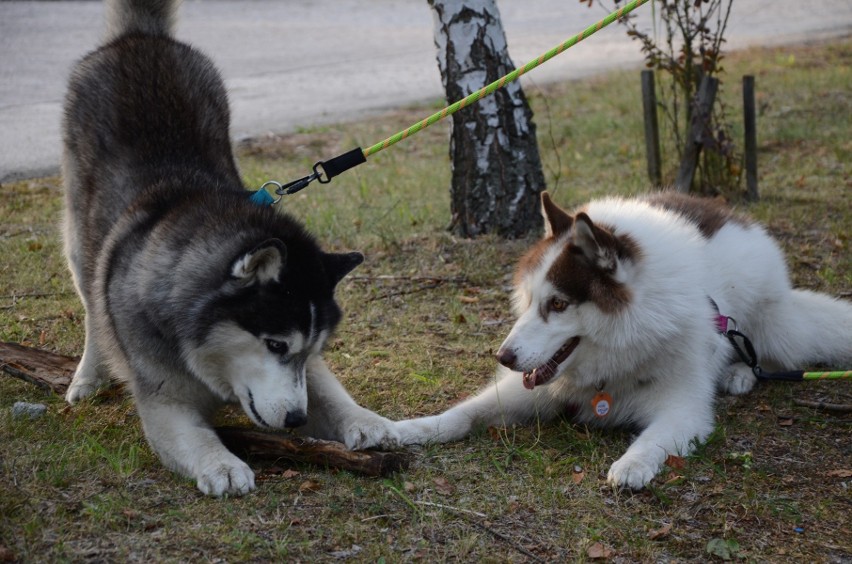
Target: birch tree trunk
x,y
496,167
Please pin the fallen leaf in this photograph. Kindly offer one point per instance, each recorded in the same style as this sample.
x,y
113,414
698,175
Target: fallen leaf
x,y
661,532
578,475
442,486
468,299
840,473
309,486
598,550
676,462
785,421
408,487
289,473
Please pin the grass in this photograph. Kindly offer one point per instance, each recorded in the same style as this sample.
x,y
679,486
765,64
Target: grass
x,y
81,483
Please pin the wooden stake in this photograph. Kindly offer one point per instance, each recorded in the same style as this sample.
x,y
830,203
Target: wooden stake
x,y
750,119
652,131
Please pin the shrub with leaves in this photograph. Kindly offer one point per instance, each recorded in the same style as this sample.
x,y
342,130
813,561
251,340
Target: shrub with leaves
x,y
684,46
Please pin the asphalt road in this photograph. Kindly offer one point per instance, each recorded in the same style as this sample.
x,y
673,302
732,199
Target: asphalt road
x,y
297,63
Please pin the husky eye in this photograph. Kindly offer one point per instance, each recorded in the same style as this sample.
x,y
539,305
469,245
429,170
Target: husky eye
x,y
558,305
277,347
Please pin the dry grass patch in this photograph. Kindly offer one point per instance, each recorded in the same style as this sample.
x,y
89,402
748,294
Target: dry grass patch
x,y
424,315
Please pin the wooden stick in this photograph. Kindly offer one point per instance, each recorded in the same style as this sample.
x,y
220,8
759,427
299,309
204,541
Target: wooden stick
x,y
265,444
698,128
54,371
838,407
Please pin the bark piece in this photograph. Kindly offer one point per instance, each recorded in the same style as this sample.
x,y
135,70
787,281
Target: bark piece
x,y
42,368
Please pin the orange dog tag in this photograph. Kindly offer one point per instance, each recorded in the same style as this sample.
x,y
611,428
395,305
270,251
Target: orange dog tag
x,y
601,404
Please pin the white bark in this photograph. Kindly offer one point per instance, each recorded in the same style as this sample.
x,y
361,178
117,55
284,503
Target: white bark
x,y
496,165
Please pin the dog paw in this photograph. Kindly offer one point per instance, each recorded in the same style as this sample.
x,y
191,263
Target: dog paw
x,y
225,474
739,380
365,429
631,472
83,387
79,391
86,381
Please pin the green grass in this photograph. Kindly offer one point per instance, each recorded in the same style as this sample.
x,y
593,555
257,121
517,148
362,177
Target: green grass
x,y
424,316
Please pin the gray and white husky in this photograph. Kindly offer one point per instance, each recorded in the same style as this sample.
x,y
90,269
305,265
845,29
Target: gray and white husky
x,y
617,326
194,296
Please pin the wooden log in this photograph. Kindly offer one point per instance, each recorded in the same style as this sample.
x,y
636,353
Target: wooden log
x,y
652,131
750,126
53,371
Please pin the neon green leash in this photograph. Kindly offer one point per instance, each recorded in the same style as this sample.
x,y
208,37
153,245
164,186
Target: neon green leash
x,y
837,375
324,171
500,83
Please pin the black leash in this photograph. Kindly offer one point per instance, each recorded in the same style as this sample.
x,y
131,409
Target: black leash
x,y
749,356
747,353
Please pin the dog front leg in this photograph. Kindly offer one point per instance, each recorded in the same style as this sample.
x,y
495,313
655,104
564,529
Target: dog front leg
x,y
334,415
186,443
505,402
91,372
683,421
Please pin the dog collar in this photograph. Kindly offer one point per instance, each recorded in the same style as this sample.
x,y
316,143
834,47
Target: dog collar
x,y
723,322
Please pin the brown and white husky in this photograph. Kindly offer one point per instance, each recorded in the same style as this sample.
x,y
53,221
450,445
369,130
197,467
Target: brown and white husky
x,y
617,308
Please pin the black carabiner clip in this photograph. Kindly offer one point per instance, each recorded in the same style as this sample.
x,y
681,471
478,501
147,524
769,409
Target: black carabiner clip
x,y
296,185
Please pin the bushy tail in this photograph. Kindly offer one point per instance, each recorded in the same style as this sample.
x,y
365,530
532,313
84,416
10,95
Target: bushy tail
x,y
154,17
806,329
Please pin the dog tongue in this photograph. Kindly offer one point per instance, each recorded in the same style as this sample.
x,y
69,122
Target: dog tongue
x,y
546,371
539,375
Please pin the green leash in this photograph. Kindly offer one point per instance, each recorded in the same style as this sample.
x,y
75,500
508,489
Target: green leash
x,y
500,83
841,375
324,171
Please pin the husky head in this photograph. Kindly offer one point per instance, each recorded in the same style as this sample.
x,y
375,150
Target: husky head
x,y
564,285
272,316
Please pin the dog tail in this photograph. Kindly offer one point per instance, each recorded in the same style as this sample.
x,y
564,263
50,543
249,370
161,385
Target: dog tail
x,y
807,328
153,17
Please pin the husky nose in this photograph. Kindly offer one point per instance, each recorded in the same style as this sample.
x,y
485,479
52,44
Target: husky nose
x,y
507,357
295,419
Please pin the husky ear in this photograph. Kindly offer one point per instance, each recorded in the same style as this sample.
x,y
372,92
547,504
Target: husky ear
x,y
262,264
591,240
556,221
338,265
